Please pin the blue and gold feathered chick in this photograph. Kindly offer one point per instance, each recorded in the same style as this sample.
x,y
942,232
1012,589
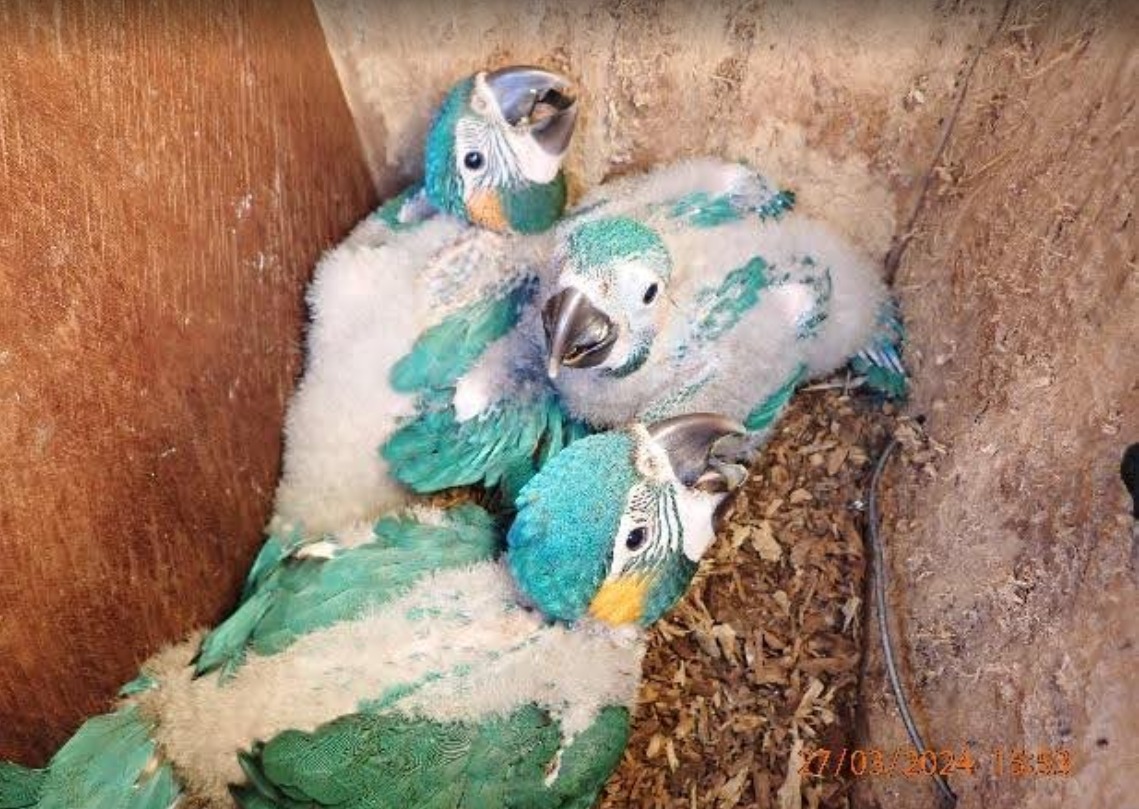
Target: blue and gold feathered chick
x,y
408,666
666,299
693,287
438,271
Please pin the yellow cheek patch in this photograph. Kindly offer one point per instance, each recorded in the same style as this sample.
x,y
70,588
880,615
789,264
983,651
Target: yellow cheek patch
x,y
485,209
621,601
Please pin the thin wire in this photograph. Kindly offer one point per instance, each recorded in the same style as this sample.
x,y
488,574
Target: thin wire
x,y
881,607
894,256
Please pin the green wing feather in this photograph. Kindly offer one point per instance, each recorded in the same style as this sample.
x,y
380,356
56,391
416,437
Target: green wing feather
x,y
302,595
723,305
758,198
881,361
406,210
390,760
766,412
504,446
450,348
110,763
19,786
276,548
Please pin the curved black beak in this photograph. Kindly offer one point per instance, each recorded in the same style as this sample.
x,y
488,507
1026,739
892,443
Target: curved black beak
x,y
690,440
578,334
537,100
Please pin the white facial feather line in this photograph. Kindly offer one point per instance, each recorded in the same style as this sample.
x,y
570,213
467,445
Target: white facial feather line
x,y
329,673
526,156
696,509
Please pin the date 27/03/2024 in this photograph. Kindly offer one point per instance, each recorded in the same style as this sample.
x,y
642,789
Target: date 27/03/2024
x,y
909,762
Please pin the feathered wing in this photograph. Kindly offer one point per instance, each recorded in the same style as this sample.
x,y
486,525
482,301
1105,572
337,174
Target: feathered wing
x,y
110,763
768,411
392,760
113,761
406,210
449,349
881,361
698,193
789,296
20,787
314,585
485,413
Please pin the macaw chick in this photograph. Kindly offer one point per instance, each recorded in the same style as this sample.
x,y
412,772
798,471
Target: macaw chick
x,y
410,666
664,300
454,243
692,287
497,420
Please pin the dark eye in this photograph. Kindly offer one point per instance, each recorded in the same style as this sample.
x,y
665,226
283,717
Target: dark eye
x,y
473,160
651,293
635,538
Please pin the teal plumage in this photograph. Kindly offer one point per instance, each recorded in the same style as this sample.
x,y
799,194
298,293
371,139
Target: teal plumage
x,y
503,445
416,296
502,448
19,786
442,182
388,761
110,763
725,304
703,209
301,595
597,243
559,540
447,350
437,449
767,411
438,688
881,361
699,287
534,208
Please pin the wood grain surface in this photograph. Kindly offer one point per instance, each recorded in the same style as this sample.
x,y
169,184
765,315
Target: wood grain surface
x,y
170,171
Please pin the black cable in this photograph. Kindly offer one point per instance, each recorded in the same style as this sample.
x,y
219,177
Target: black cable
x,y
878,572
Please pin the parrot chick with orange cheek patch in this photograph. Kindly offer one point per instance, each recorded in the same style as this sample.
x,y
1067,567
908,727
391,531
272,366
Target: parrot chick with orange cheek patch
x,y
497,421
441,269
418,667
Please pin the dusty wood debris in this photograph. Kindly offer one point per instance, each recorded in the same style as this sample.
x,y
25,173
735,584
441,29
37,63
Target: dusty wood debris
x,y
762,658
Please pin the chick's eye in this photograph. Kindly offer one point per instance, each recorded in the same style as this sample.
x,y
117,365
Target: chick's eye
x,y
651,293
473,160
635,538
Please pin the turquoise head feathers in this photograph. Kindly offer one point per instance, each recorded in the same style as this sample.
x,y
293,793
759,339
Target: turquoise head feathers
x,y
614,525
495,149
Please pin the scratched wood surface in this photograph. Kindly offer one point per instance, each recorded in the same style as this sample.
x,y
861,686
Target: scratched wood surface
x,y
170,171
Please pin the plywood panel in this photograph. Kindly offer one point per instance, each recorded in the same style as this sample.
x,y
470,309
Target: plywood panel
x,y
170,171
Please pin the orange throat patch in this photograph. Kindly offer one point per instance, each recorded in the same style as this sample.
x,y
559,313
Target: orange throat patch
x,y
485,209
621,601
